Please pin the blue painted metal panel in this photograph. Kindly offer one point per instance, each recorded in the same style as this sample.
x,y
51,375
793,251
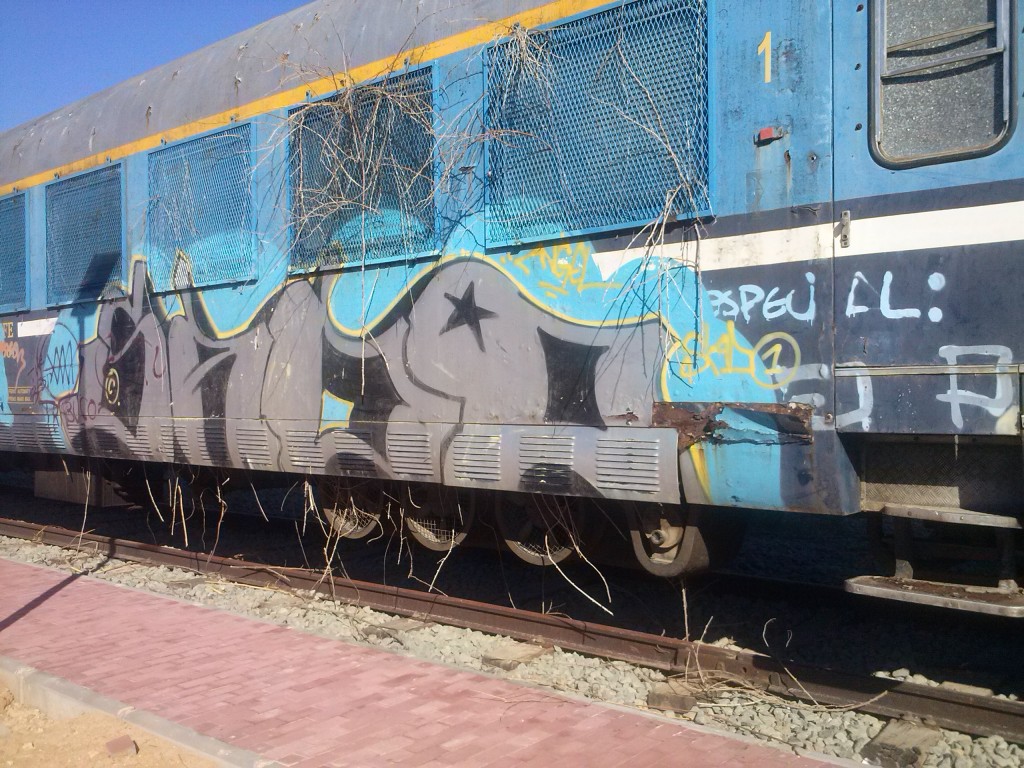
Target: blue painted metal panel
x,y
200,218
13,253
858,174
270,201
85,236
361,175
599,123
37,247
796,168
136,195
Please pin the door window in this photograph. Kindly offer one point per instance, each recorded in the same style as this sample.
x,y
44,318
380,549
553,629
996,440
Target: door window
x,y
941,87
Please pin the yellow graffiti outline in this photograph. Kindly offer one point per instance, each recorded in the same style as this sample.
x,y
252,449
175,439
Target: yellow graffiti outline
x,y
726,345
700,468
495,262
219,334
418,273
328,426
780,337
547,308
240,327
112,387
566,262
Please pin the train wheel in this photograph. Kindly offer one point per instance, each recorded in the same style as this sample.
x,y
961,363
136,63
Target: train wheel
x,y
671,541
133,484
349,508
537,528
157,487
441,520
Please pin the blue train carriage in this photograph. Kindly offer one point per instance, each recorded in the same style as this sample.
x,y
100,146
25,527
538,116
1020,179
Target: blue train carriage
x,y
678,259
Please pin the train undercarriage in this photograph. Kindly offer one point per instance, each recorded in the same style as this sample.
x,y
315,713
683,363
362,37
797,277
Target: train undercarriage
x,y
939,515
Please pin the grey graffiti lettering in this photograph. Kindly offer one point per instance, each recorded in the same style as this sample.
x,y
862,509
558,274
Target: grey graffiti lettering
x,y
886,307
852,310
865,405
997,404
857,303
745,300
819,373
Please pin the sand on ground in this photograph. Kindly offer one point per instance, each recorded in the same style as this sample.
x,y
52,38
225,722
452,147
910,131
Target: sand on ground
x,y
30,739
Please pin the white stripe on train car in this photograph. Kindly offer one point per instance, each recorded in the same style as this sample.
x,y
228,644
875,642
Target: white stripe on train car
x,y
42,326
778,246
976,225
998,223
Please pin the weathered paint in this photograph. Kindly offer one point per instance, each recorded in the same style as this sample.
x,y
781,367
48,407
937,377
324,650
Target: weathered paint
x,y
492,367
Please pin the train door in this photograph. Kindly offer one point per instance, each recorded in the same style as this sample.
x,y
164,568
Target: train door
x,y
928,218
767,265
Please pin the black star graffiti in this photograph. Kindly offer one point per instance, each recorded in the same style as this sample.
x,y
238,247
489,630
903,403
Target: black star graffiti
x,y
467,312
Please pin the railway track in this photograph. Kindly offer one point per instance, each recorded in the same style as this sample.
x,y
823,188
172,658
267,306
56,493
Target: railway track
x,y
967,712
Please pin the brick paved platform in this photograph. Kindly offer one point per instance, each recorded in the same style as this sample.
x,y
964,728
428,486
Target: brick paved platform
x,y
304,700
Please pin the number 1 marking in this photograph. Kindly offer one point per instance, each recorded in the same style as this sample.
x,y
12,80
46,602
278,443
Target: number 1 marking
x,y
766,48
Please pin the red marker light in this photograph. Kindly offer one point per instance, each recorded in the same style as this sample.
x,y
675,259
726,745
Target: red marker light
x,y
768,135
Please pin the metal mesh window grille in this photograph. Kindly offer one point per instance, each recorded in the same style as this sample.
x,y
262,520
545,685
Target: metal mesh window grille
x,y
200,222
12,253
84,239
598,123
361,174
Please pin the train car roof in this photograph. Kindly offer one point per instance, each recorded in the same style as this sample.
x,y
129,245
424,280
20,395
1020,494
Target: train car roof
x,y
281,56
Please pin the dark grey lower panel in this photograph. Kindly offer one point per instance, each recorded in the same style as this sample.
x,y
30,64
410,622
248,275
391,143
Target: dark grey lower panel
x,y
616,462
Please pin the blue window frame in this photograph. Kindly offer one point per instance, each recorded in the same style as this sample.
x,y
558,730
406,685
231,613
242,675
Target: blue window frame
x,y
599,123
85,237
361,174
13,254
200,228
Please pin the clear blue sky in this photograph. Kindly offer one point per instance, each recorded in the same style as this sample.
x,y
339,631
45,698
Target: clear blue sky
x,y
54,52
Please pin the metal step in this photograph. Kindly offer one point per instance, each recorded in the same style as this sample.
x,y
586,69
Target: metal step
x,y
953,515
990,600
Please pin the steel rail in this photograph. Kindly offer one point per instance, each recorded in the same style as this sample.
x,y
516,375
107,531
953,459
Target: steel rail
x,y
967,712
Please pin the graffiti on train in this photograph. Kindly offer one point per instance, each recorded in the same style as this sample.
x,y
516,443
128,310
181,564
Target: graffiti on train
x,y
997,404
981,398
751,301
770,362
561,268
863,297
12,350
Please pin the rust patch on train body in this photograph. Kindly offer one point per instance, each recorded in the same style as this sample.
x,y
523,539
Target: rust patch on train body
x,y
700,422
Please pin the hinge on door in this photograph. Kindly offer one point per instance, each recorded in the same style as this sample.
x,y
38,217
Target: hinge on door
x,y
844,230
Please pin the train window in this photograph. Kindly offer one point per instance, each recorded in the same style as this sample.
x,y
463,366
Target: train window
x,y
361,174
598,123
13,254
941,86
84,237
200,221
